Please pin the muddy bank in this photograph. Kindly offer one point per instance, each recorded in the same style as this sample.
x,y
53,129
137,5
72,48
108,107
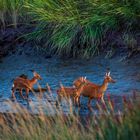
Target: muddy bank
x,y
14,41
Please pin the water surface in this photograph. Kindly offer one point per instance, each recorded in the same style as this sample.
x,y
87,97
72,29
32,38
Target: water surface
x,y
54,70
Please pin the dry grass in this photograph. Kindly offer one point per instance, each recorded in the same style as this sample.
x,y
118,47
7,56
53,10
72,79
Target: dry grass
x,y
107,124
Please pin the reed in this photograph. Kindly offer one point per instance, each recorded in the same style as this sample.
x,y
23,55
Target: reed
x,y
108,124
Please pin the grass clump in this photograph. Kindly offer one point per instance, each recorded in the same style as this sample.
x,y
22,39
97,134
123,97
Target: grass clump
x,y
72,27
12,13
83,28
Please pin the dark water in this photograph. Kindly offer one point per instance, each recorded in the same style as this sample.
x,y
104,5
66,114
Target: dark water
x,y
54,71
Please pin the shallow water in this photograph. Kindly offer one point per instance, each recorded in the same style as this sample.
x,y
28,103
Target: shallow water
x,y
54,71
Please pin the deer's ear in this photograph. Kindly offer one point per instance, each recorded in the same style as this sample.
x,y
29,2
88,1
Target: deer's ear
x,y
109,73
34,73
60,83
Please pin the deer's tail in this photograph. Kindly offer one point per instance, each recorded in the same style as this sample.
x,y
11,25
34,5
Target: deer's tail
x,y
12,87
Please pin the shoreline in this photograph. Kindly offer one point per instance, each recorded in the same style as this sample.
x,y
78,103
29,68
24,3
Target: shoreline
x,y
12,41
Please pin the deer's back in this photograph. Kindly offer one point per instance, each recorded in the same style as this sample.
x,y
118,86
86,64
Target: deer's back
x,y
66,91
21,83
92,91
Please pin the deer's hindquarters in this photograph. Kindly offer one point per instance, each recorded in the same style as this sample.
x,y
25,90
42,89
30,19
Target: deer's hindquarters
x,y
66,92
20,83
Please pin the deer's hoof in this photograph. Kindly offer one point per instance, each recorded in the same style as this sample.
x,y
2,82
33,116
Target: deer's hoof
x,y
13,98
29,100
24,98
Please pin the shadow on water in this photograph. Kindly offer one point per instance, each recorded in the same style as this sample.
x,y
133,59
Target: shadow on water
x,y
54,71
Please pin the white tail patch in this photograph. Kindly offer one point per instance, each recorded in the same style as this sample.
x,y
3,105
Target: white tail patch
x,y
12,87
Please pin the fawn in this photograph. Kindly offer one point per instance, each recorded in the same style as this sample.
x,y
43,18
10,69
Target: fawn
x,y
94,91
25,83
74,92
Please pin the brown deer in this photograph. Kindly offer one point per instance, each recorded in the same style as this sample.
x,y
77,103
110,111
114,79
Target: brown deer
x,y
25,83
94,91
39,89
71,92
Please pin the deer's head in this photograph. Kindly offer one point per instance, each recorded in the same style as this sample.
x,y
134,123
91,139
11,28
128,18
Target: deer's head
x,y
79,81
108,78
36,75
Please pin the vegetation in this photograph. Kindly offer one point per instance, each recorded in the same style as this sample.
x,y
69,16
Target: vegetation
x,y
73,27
107,125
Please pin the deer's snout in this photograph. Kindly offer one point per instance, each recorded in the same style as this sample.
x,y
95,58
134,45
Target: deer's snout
x,y
113,81
40,78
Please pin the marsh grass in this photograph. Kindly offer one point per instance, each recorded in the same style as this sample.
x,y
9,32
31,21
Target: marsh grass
x,y
72,27
108,124
13,13
83,28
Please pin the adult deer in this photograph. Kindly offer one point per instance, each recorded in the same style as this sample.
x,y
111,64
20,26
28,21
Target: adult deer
x,y
25,83
94,91
71,92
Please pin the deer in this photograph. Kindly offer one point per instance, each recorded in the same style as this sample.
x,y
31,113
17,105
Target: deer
x,y
71,92
21,83
94,91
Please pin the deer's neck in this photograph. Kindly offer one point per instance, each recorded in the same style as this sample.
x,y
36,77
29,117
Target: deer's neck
x,y
80,88
33,81
103,87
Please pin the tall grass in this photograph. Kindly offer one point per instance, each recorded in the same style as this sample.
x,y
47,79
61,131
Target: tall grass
x,y
72,27
13,12
106,125
82,27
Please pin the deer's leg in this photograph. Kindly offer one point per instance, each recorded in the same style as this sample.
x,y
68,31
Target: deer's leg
x,y
20,91
77,100
89,103
58,101
13,92
59,98
102,100
27,92
73,100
